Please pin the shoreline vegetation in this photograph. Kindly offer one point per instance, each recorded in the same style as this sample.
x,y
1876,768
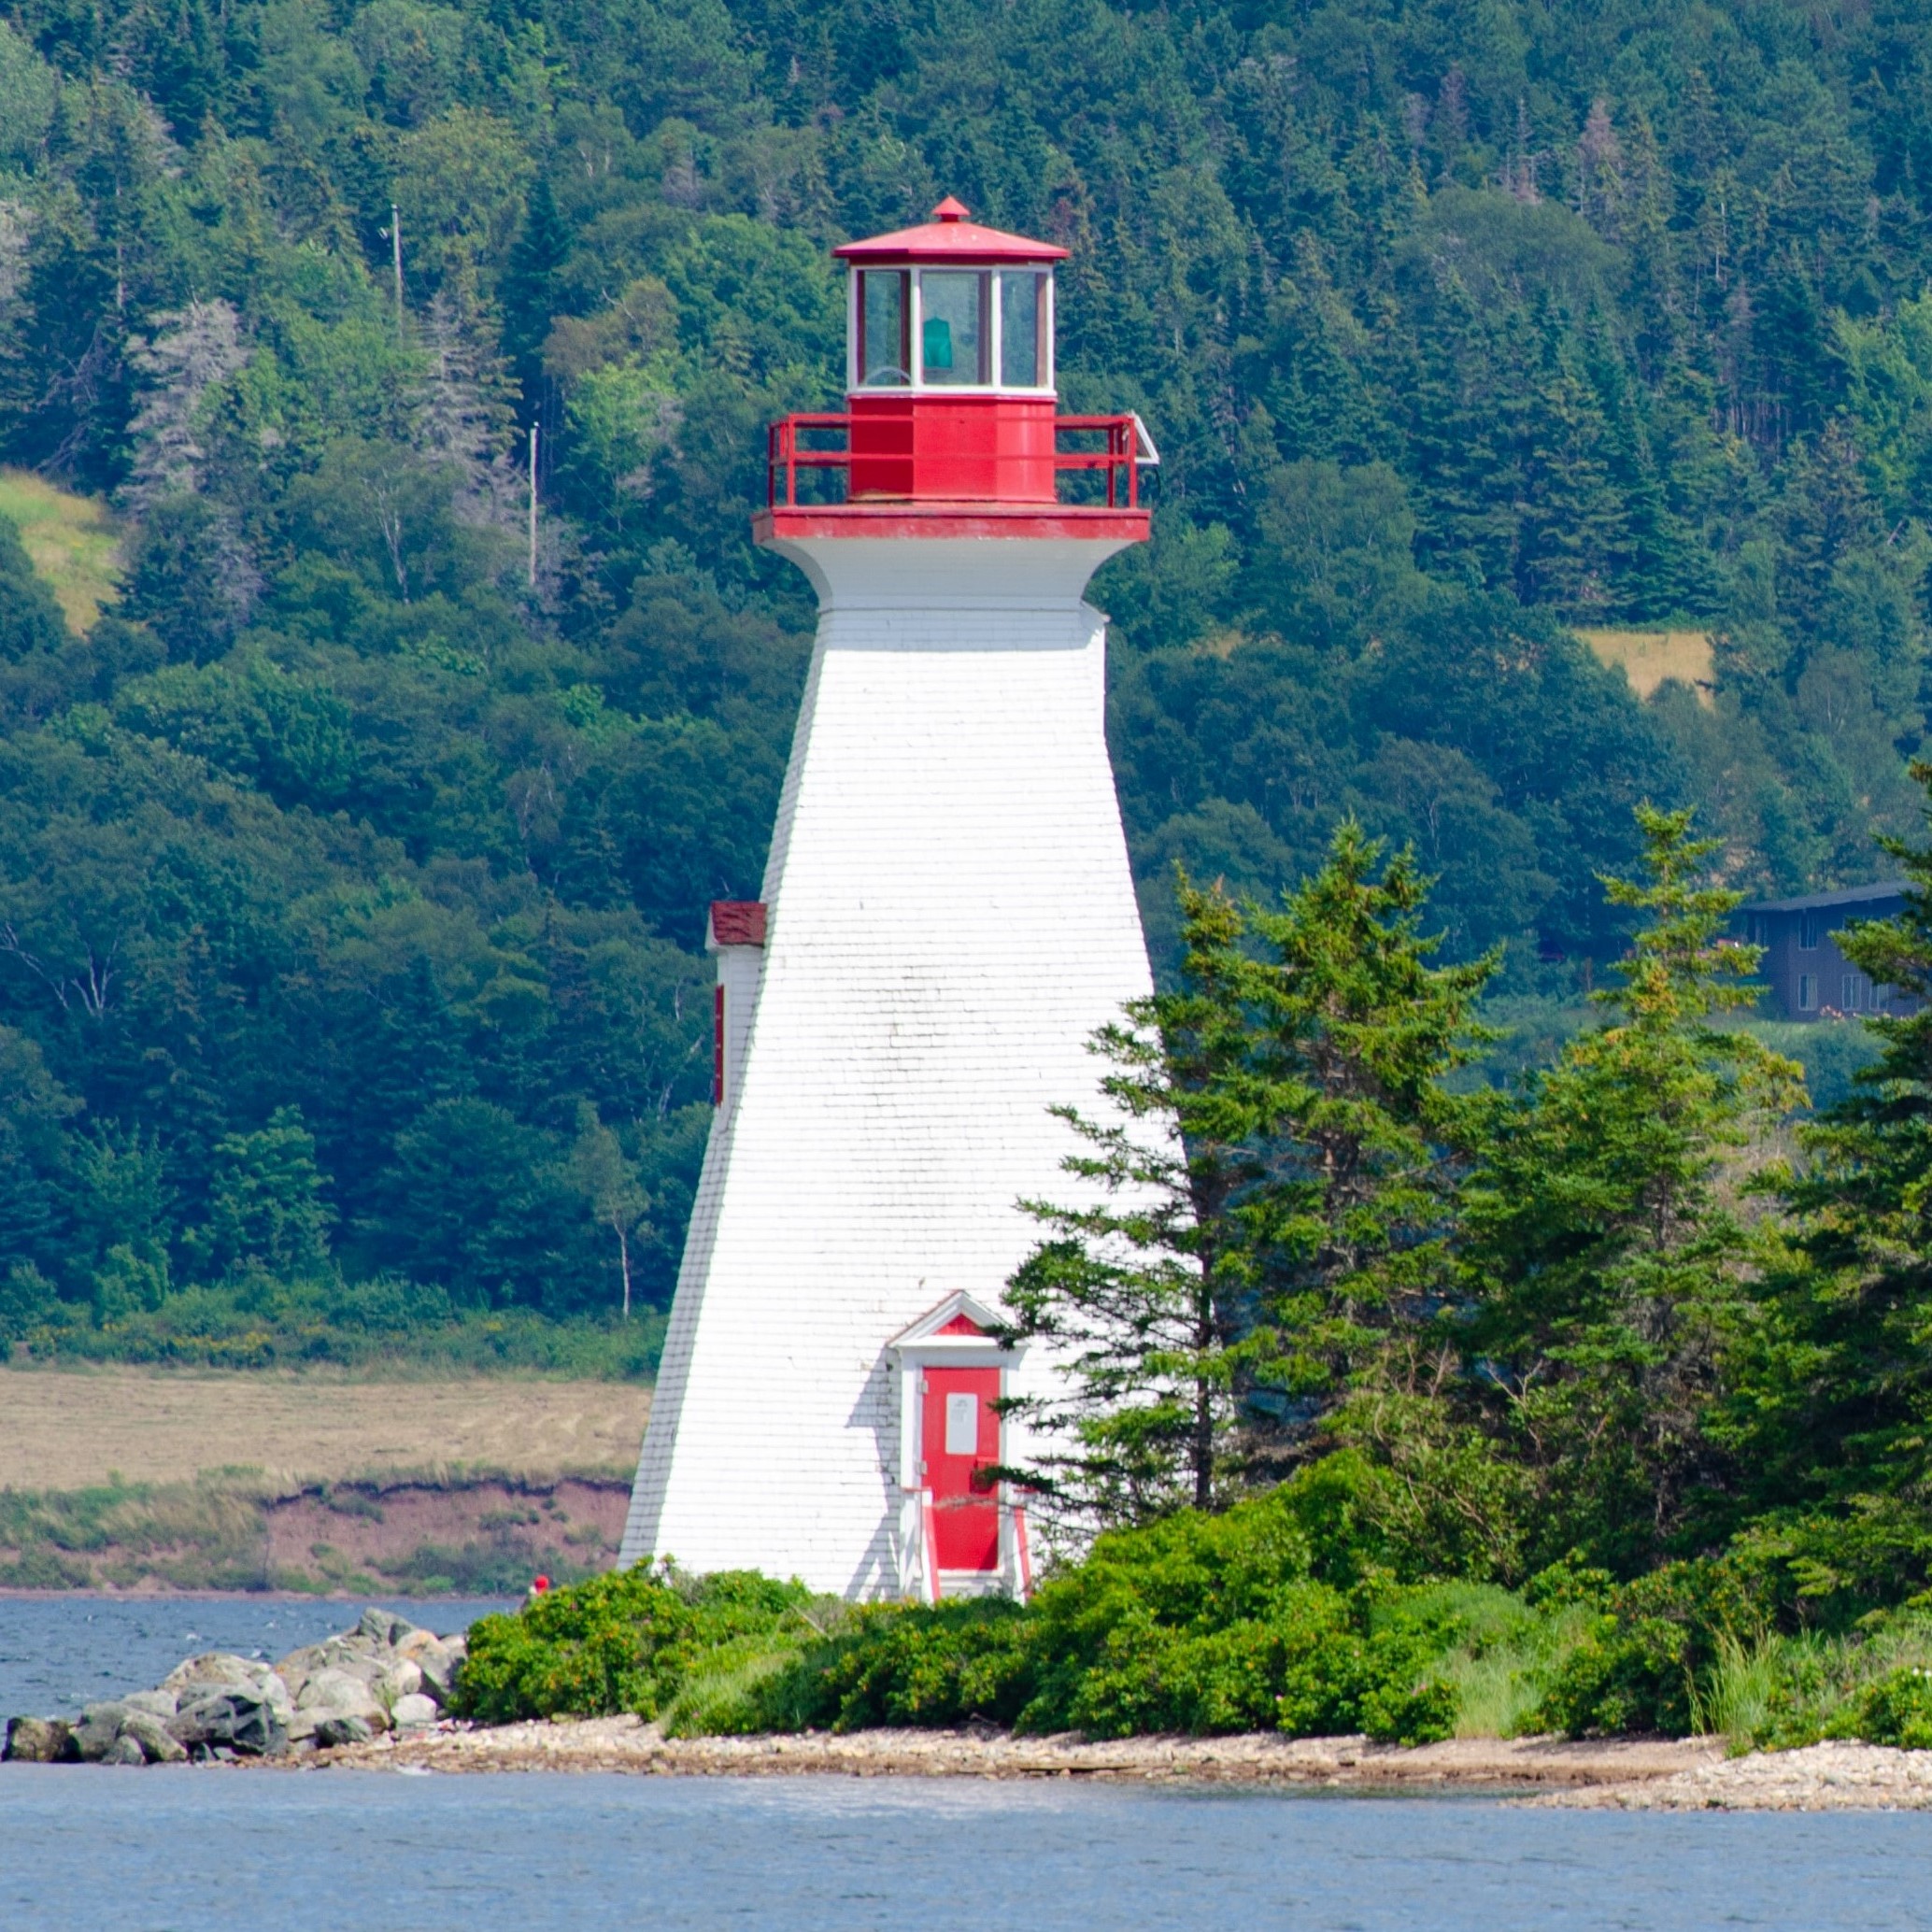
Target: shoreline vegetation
x,y
389,1695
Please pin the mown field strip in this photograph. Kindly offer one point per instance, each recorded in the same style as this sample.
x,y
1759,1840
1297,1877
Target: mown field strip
x,y
63,1429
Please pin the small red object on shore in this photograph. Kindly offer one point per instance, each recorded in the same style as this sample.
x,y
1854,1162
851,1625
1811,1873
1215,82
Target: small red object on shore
x,y
539,1587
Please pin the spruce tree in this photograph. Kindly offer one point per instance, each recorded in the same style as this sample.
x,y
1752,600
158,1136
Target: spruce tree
x,y
1266,1219
1353,1033
1833,1417
1139,1284
1606,1262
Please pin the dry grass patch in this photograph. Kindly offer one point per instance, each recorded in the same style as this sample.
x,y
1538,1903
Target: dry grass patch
x,y
64,1429
71,541
1649,658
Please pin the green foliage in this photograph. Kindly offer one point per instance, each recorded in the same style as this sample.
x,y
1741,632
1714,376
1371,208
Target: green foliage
x,y
336,809
1268,1198
627,1641
1605,1271
899,1665
1639,1665
137,1314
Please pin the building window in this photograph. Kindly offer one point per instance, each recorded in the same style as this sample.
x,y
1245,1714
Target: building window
x,y
1808,928
953,327
1020,319
884,353
1850,991
1807,992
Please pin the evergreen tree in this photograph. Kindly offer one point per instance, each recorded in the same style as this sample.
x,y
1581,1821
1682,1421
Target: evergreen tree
x,y
1833,1417
1606,1260
1352,1035
529,288
1144,1288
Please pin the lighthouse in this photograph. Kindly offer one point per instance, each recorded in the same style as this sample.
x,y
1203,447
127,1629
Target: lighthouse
x,y
946,916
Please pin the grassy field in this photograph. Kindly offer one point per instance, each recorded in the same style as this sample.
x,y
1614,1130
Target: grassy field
x,y
63,1429
1651,658
124,1478
71,540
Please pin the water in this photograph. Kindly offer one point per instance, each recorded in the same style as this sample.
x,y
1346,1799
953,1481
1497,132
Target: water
x,y
305,1851
60,1653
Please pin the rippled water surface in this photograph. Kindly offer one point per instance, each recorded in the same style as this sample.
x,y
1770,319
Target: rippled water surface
x,y
210,1848
58,1653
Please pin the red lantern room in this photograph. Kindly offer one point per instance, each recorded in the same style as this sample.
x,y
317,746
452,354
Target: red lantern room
x,y
952,426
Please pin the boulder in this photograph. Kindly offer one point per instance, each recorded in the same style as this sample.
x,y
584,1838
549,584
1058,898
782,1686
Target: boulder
x,y
299,1665
233,1718
414,1712
403,1679
210,1666
40,1741
99,1730
332,1731
383,1627
158,1703
124,1751
337,1692
435,1660
151,1736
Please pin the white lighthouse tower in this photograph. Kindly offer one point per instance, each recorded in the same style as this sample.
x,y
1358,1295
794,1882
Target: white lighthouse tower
x,y
948,915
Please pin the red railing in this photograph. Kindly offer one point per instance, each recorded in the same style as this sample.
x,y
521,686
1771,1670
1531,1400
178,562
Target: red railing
x,y
1126,450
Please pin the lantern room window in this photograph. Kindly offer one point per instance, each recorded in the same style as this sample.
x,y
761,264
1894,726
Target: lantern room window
x,y
884,337
1022,318
952,329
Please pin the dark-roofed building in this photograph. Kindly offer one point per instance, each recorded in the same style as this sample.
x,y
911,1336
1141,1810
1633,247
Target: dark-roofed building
x,y
1808,976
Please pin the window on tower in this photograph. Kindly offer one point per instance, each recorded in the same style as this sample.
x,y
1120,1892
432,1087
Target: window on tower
x,y
884,353
1020,358
953,327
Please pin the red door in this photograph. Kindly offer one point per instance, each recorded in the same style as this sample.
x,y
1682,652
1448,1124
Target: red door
x,y
960,1434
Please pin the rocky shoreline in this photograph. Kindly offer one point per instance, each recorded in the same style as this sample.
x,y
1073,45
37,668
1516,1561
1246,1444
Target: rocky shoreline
x,y
386,1677
373,1698
1506,1766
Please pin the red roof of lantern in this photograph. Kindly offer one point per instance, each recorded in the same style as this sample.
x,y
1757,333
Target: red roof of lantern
x,y
949,236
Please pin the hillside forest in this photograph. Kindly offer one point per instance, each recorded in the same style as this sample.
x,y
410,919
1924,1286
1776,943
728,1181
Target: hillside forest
x,y
352,873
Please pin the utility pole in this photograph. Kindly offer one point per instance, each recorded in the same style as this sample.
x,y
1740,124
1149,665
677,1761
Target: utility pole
x,y
395,245
532,506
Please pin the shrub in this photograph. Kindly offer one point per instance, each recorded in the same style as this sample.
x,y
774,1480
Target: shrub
x,y
899,1664
1896,1709
628,1641
1638,1666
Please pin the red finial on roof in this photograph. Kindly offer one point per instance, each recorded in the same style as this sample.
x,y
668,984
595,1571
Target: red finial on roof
x,y
950,210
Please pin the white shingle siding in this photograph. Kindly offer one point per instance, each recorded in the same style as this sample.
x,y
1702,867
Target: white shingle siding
x,y
951,916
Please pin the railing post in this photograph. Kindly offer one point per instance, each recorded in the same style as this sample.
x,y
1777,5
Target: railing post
x,y
928,1523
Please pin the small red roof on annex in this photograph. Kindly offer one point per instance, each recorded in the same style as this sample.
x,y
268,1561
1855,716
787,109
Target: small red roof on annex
x,y
737,922
949,236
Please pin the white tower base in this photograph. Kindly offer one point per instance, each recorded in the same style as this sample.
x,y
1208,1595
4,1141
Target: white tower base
x,y
951,914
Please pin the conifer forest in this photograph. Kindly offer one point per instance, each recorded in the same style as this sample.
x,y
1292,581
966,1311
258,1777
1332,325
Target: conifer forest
x,y
354,855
